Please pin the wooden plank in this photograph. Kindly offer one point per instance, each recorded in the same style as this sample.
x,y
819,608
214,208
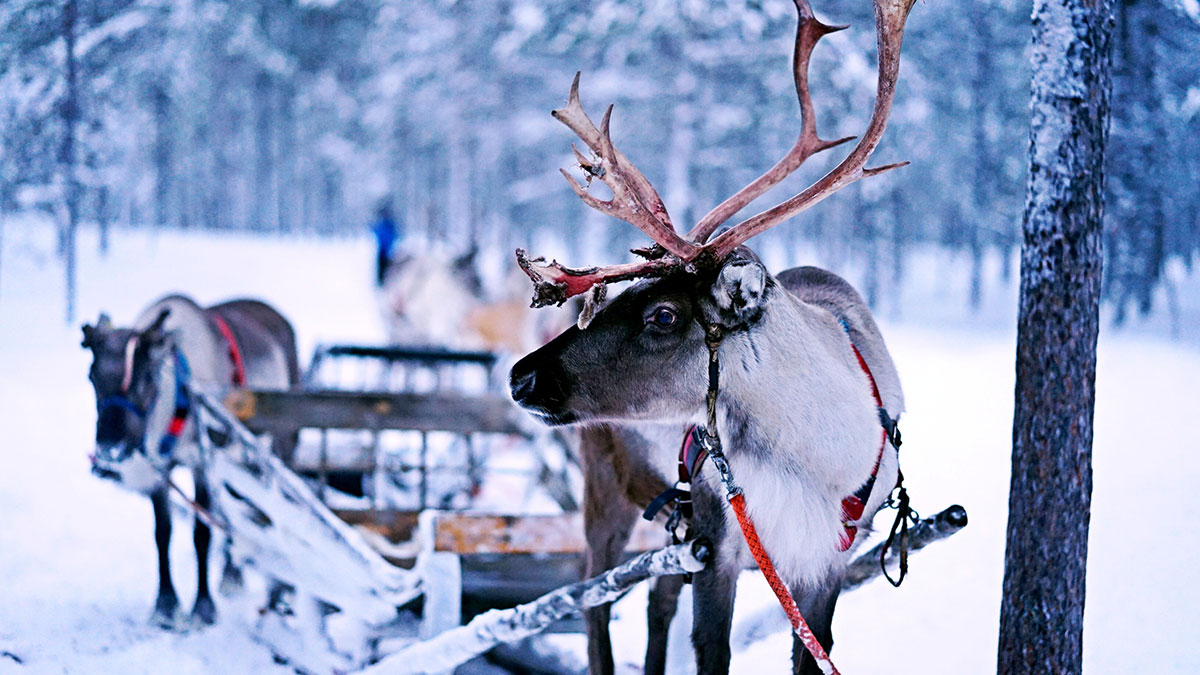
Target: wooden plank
x,y
395,526
413,354
470,533
288,411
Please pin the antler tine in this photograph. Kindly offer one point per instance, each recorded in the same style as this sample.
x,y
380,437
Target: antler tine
x,y
808,32
634,198
890,16
554,284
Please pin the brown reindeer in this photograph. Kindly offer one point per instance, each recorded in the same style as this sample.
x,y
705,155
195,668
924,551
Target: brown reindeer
x,y
807,391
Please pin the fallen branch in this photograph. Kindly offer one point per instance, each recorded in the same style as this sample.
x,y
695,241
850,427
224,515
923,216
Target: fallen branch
x,y
866,567
453,647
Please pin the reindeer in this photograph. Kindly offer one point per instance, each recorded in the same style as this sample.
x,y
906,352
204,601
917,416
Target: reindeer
x,y
429,299
786,377
145,424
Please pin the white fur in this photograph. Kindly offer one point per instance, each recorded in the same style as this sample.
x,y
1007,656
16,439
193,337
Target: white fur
x,y
813,409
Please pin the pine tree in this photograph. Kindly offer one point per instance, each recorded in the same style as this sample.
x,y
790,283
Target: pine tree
x,y
1045,564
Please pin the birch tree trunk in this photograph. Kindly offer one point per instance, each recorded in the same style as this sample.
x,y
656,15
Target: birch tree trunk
x,y
1041,615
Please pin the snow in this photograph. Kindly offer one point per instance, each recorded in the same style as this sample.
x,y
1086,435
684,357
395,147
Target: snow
x,y
77,557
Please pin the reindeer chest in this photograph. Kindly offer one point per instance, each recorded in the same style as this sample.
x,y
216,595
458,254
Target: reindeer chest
x,y
798,523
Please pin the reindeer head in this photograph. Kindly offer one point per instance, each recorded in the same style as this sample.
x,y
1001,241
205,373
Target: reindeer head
x,y
643,355
125,375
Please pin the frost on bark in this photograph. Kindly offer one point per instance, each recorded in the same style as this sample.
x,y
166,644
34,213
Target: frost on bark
x,y
1041,617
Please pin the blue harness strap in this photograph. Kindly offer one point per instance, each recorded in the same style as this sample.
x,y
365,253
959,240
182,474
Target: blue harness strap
x,y
183,404
120,401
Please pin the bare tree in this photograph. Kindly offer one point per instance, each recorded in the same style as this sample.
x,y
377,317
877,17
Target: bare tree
x,y
1041,615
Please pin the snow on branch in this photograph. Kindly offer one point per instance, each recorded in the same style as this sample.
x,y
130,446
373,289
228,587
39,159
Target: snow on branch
x,y
449,649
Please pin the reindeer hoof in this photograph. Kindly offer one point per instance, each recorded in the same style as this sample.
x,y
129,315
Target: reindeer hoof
x,y
166,613
232,582
205,612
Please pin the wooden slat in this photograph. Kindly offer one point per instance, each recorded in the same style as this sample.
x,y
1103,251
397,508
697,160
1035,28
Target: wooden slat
x,y
288,411
395,526
468,533
413,354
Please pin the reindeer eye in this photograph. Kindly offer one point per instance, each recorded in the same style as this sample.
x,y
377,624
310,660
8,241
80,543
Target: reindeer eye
x,y
664,317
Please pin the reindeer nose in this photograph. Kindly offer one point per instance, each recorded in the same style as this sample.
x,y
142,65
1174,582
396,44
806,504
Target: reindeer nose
x,y
522,384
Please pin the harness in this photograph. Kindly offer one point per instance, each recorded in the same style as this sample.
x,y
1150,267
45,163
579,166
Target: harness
x,y
703,442
182,395
179,412
235,353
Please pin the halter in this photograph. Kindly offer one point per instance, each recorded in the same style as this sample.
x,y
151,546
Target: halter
x,y
179,413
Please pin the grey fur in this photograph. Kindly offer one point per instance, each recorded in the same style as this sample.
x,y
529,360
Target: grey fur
x,y
795,411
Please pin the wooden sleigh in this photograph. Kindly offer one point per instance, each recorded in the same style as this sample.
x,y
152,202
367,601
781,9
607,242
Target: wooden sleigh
x,y
375,584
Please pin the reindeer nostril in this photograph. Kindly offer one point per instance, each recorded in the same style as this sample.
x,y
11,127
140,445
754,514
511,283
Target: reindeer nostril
x,y
522,384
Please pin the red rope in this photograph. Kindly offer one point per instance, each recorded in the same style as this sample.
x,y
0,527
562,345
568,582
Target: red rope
x,y
799,625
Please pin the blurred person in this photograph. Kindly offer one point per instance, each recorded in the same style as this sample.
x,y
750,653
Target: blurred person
x,y
387,232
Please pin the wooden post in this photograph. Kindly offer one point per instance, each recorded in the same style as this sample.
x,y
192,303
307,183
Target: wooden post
x,y
441,581
424,489
323,467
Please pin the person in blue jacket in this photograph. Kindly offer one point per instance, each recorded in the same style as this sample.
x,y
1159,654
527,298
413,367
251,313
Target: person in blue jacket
x,y
387,233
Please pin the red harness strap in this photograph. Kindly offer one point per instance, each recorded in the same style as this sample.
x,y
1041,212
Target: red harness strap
x,y
698,445
799,625
235,354
853,505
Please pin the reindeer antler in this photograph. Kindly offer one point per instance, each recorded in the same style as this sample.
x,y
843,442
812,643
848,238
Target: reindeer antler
x,y
808,32
635,200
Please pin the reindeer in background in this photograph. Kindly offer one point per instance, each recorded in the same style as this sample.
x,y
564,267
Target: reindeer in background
x,y
786,376
143,377
431,299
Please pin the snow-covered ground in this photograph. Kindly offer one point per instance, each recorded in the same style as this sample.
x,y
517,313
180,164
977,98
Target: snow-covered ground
x,y
77,557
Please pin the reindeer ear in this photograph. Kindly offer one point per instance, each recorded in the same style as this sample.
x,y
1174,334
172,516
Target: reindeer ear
x,y
160,320
91,334
739,291
154,333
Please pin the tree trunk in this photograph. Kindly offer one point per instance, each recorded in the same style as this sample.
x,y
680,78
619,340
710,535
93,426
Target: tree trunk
x,y
103,218
1041,616
70,115
985,174
898,246
264,164
162,156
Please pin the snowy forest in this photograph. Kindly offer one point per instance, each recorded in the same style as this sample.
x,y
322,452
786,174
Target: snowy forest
x,y
282,236
303,116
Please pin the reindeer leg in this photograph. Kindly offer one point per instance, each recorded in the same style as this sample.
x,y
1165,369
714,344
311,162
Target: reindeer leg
x,y
816,605
607,523
205,611
232,582
714,588
167,603
664,599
